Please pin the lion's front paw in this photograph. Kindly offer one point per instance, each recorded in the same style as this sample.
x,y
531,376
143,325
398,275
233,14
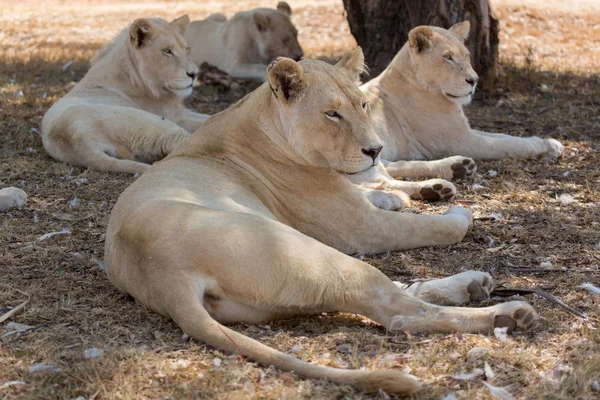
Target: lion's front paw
x,y
514,315
394,200
463,167
462,212
555,149
12,197
436,190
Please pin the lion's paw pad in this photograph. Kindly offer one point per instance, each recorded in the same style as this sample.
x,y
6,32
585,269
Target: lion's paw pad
x,y
437,190
515,315
464,168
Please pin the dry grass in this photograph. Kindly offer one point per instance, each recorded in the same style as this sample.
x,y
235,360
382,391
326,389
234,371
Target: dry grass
x,y
549,86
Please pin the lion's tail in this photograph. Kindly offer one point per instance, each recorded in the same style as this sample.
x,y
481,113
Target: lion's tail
x,y
188,312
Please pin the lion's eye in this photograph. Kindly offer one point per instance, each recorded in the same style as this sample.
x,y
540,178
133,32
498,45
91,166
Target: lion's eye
x,y
188,49
366,106
448,58
167,52
333,114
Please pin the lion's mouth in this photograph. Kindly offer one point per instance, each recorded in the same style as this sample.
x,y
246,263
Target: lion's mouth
x,y
178,89
357,172
460,97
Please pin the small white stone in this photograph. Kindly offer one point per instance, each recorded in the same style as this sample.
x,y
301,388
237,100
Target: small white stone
x,y
566,199
93,353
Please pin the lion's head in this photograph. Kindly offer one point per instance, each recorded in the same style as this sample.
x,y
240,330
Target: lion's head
x,y
161,56
441,62
274,34
325,116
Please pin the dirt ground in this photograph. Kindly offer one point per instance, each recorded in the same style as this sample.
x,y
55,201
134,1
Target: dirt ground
x,y
537,226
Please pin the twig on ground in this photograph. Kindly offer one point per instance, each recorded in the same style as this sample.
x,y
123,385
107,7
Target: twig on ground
x,y
551,298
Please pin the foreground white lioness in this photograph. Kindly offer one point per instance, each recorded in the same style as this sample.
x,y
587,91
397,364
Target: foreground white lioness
x,y
127,112
243,45
416,109
249,221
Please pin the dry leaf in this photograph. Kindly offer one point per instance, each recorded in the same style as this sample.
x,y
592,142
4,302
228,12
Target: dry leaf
x,y
499,393
64,231
476,373
477,352
590,287
489,374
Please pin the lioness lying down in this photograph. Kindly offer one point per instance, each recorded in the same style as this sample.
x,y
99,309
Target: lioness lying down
x,y
250,222
243,45
416,109
127,112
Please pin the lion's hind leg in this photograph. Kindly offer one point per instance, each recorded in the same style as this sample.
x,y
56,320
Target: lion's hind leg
x,y
112,138
227,273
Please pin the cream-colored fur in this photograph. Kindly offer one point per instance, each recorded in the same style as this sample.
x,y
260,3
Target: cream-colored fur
x,y
243,45
11,197
127,112
250,220
416,108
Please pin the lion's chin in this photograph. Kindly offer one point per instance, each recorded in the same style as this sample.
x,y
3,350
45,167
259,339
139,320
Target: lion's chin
x,y
460,100
184,92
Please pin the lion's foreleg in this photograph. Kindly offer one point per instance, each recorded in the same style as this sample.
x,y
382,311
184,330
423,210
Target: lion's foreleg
x,y
495,146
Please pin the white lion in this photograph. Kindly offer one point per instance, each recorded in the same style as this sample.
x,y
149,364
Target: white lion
x,y
416,108
250,220
244,45
127,112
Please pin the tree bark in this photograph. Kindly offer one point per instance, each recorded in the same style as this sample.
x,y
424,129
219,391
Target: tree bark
x,y
381,28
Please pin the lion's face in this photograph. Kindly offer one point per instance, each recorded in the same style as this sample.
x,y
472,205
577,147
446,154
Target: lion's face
x,y
325,116
441,61
275,35
162,55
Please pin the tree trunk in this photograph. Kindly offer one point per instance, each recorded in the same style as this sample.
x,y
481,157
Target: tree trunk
x,y
381,28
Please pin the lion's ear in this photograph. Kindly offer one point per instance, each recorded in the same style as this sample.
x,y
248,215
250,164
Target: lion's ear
x,y
461,30
286,78
354,62
141,32
262,21
285,8
420,39
181,24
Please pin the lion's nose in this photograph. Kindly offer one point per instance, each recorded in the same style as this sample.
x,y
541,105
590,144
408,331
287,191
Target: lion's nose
x,y
192,74
298,56
373,152
473,80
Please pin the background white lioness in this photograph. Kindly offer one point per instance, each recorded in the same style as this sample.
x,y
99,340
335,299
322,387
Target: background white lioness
x,y
417,111
243,45
237,226
127,112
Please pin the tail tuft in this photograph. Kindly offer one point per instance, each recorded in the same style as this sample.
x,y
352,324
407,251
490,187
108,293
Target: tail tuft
x,y
391,381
